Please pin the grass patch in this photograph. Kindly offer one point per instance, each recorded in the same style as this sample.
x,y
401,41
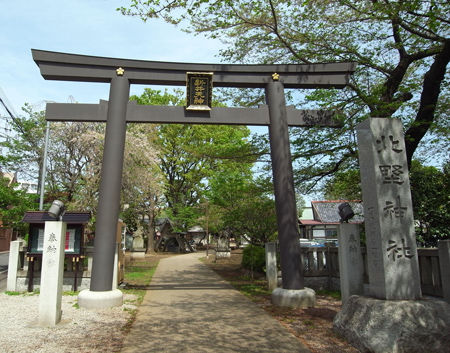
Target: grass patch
x,y
126,328
75,305
71,293
140,293
254,289
136,273
25,294
139,273
329,293
12,293
35,292
308,323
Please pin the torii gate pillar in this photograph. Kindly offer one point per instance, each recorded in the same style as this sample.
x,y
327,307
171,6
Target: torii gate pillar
x,y
101,293
283,182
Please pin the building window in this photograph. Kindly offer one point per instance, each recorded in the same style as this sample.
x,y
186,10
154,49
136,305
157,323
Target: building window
x,y
331,233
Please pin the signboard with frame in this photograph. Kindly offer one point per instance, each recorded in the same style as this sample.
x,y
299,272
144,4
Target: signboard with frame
x,y
73,239
74,234
199,90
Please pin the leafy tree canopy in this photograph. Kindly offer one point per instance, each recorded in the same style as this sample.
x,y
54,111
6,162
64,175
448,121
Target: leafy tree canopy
x,y
14,203
25,150
74,162
191,155
431,202
402,49
246,204
430,196
344,185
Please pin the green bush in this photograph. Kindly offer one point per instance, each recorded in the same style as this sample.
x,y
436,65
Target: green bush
x,y
254,258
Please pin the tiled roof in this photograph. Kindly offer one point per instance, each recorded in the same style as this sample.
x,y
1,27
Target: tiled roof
x,y
327,211
160,223
69,217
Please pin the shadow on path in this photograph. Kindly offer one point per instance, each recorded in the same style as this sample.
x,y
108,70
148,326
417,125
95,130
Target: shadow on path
x,y
189,308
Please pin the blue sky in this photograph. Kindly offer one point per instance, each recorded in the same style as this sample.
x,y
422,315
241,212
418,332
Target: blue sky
x,y
90,27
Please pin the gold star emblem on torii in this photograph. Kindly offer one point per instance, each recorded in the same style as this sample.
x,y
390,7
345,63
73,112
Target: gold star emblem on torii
x,y
120,71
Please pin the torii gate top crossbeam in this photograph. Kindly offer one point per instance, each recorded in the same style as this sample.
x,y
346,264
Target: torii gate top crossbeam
x,y
74,67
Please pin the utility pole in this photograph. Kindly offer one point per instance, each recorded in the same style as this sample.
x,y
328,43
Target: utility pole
x,y
44,167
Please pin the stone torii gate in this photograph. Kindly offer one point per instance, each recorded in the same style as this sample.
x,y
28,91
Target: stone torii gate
x,y
120,73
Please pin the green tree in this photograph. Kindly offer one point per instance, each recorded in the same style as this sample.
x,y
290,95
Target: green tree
x,y
246,205
73,148
14,203
70,152
189,155
142,180
431,202
301,204
430,196
402,49
344,185
25,150
74,162
255,217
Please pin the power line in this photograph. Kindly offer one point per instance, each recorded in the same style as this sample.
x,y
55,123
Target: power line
x,y
10,111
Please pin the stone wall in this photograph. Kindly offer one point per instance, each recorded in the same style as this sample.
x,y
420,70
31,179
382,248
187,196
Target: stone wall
x,y
82,282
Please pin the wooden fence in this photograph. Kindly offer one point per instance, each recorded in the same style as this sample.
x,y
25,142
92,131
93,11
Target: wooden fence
x,y
430,273
323,262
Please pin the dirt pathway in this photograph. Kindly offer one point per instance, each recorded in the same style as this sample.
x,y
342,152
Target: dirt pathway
x,y
189,308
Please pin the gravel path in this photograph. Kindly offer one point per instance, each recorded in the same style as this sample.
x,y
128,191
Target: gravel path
x,y
80,330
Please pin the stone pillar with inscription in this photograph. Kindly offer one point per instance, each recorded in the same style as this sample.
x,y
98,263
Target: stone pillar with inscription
x,y
271,265
393,266
351,264
13,264
396,320
52,273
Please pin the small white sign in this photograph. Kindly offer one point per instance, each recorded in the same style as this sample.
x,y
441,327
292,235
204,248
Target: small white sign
x,y
70,240
40,245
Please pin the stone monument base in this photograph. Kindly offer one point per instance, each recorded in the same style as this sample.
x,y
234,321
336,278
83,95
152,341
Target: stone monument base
x,y
294,298
138,253
384,326
99,300
222,254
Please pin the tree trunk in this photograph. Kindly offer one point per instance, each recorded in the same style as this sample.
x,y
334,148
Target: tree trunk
x,y
428,100
151,228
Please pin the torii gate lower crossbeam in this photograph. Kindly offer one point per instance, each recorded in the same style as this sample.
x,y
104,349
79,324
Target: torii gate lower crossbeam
x,y
121,73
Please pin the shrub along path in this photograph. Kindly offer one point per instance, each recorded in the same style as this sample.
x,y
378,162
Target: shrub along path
x,y
189,308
